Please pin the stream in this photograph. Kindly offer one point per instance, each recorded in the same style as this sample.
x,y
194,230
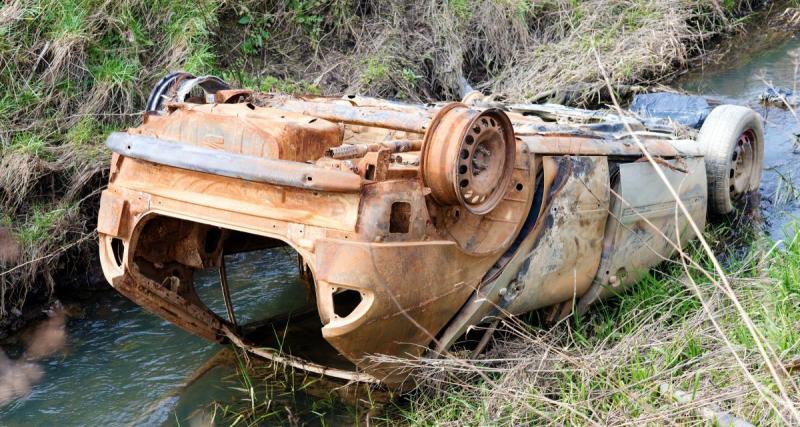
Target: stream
x,y
740,79
123,366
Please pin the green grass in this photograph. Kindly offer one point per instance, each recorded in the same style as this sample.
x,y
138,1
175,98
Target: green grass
x,y
114,71
614,359
271,393
377,69
67,19
30,143
84,132
72,71
41,227
274,84
461,8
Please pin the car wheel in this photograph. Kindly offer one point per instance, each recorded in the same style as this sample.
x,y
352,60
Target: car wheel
x,y
159,93
732,138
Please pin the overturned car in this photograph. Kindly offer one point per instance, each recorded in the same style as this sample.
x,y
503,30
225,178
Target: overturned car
x,y
411,223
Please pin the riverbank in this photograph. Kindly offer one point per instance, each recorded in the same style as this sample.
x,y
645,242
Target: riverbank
x,y
72,71
241,41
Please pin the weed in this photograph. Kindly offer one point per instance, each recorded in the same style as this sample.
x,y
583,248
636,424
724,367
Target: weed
x,y
377,69
461,8
274,84
307,13
39,226
256,32
786,191
31,144
84,132
114,71
409,75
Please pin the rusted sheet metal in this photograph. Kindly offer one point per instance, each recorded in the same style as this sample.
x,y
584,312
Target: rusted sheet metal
x,y
156,280
384,220
231,96
112,222
645,225
588,146
222,163
408,121
567,226
171,306
238,129
199,194
397,315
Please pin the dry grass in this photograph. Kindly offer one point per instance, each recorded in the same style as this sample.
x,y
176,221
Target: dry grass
x,y
525,50
608,368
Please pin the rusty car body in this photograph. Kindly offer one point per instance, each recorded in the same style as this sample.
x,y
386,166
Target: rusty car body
x,y
411,223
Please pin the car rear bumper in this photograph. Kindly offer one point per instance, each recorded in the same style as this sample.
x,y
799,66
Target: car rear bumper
x,y
408,290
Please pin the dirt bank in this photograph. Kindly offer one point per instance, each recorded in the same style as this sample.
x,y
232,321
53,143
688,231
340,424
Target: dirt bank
x,y
73,70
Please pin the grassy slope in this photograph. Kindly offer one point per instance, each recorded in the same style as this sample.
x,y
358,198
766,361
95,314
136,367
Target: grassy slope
x,y
70,72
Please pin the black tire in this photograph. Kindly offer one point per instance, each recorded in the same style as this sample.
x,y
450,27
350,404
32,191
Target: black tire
x,y
732,138
159,93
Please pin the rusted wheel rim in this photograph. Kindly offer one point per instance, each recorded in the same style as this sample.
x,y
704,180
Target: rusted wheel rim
x,y
743,164
468,157
481,161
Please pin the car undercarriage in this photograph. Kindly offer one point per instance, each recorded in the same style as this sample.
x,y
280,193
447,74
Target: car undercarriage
x,y
411,223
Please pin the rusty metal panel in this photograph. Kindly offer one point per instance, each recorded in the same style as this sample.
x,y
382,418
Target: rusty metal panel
x,y
409,120
265,132
410,291
564,259
113,209
644,220
334,210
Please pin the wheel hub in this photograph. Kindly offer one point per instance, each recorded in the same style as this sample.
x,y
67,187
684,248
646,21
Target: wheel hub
x,y
742,164
468,157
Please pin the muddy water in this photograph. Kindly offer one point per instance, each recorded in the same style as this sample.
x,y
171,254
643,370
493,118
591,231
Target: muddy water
x,y
123,366
770,60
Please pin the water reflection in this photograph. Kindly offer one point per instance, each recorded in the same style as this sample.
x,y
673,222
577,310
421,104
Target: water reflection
x,y
122,363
